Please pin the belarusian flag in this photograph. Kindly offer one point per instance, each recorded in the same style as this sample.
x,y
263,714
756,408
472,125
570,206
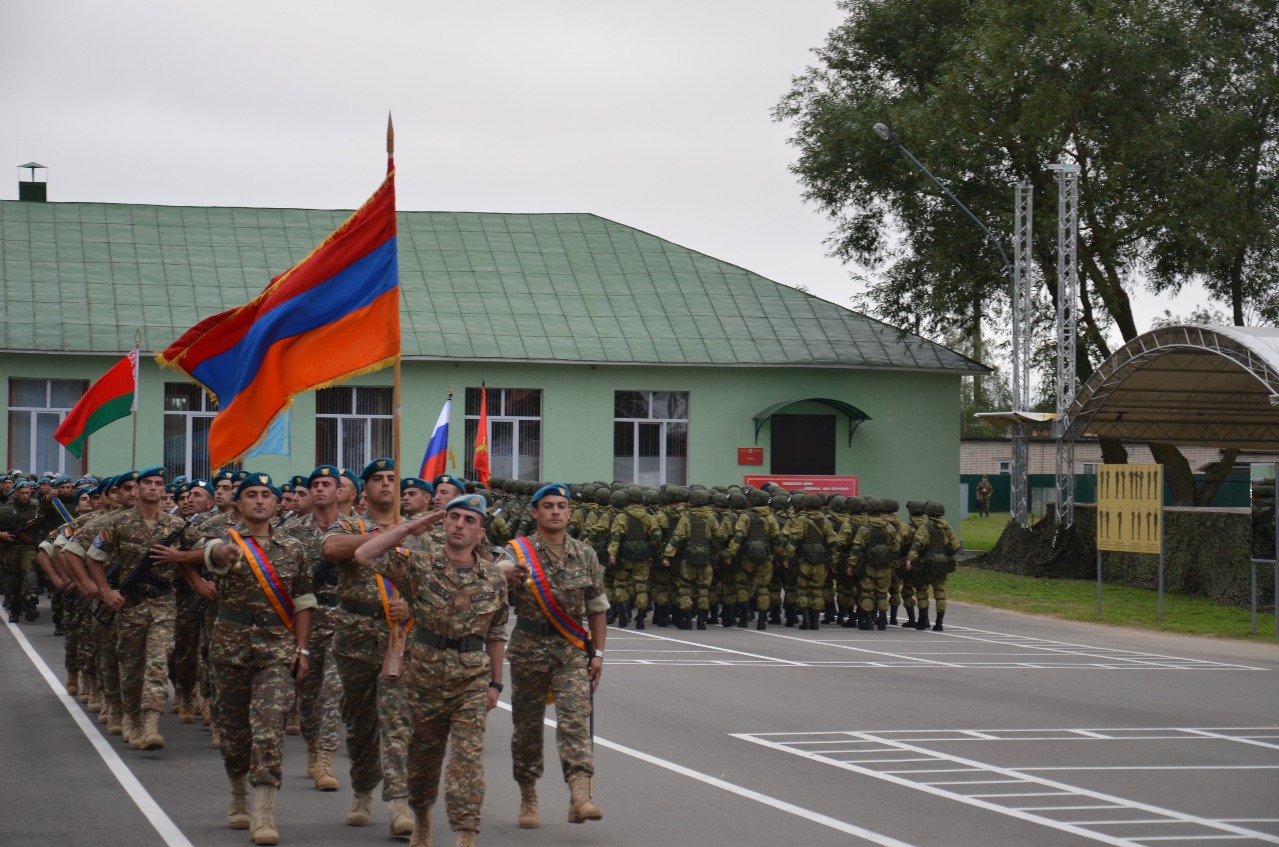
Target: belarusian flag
x,y
112,397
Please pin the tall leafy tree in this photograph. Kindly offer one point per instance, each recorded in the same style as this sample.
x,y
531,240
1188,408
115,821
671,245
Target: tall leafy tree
x,y
991,92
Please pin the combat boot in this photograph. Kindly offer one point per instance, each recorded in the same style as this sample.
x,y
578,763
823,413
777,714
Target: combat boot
x,y
88,691
813,615
910,617
130,731
581,808
774,616
237,814
881,620
529,818
293,724
729,616
324,778
215,736
358,813
623,614
151,738
264,831
685,618
803,618
828,613
864,620
611,615
73,683
702,618
114,725
937,626
922,623
186,713
465,838
743,616
790,613
13,614
32,610
640,615
761,622
892,615
312,750
400,817
421,828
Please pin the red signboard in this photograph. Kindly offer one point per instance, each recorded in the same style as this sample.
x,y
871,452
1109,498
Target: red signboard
x,y
816,483
750,455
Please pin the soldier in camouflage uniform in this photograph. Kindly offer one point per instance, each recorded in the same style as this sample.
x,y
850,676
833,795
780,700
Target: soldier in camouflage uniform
x,y
757,536
20,536
320,692
871,559
375,708
544,662
903,531
692,550
933,552
810,538
634,536
144,619
661,581
259,641
454,675
917,518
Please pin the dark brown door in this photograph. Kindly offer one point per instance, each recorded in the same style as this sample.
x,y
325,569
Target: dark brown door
x,y
803,444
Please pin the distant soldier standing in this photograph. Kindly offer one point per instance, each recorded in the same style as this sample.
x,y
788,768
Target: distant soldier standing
x,y
634,535
933,549
756,535
558,583
692,548
871,559
984,490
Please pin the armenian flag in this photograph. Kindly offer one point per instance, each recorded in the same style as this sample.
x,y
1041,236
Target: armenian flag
x,y
332,316
112,397
435,462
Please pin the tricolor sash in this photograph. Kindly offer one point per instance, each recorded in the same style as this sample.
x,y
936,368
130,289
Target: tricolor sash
x,y
63,511
387,590
266,577
540,588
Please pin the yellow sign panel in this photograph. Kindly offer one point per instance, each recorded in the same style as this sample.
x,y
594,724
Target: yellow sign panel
x,y
1130,508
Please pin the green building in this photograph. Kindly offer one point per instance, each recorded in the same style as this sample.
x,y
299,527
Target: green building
x,y
608,353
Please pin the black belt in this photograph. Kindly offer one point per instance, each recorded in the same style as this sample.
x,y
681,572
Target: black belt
x,y
470,644
249,618
368,610
535,626
329,600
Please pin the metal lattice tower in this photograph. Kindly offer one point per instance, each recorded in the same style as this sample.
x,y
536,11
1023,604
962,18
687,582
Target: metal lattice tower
x,y
1067,319
1023,235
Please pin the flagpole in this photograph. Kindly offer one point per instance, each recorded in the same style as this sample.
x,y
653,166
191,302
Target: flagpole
x,y
397,386
137,380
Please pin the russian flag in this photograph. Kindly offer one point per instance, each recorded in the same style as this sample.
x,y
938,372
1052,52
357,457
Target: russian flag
x,y
332,316
437,449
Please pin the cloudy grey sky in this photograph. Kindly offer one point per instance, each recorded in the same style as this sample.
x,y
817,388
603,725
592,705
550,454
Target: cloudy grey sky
x,y
654,114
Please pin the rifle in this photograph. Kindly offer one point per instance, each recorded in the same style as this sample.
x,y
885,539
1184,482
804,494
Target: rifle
x,y
139,573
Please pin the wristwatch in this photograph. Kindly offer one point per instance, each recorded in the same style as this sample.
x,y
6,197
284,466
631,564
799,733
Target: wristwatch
x,y
302,651
496,685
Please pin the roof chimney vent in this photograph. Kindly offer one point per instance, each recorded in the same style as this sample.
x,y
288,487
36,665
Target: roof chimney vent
x,y
33,191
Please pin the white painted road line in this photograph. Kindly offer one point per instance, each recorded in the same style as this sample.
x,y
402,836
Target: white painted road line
x,y
163,824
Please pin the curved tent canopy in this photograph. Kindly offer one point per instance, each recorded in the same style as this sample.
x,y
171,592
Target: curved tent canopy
x,y
855,415
1215,386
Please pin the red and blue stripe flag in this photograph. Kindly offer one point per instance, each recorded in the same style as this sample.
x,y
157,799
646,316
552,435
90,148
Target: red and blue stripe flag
x,y
332,316
435,462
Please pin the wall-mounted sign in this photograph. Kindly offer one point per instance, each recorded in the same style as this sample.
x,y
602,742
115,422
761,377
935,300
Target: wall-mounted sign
x,y
816,483
750,455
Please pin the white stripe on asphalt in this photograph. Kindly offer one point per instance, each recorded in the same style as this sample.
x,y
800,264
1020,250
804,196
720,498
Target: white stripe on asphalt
x,y
150,809
780,805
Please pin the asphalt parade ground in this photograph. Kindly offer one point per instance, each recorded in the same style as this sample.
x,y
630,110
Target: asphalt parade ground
x,y
1003,730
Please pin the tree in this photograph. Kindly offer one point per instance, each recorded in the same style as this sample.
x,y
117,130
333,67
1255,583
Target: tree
x,y
991,92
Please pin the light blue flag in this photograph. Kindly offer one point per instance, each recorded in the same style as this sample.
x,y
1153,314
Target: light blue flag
x,y
277,441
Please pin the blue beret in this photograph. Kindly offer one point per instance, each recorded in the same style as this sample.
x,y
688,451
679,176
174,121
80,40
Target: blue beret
x,y
445,479
324,472
239,476
84,489
413,482
59,479
157,470
376,466
286,488
199,483
299,481
255,480
181,478
555,489
23,483
220,476
470,502
350,474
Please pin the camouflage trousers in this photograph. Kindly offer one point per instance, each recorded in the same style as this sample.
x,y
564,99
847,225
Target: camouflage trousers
x,y
661,585
250,708
755,578
20,580
902,591
846,591
375,712
443,714
320,692
185,667
692,585
108,668
630,582
144,641
874,588
542,664
810,584
937,581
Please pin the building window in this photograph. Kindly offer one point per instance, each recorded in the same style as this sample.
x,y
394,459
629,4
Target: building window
x,y
352,425
1090,468
36,408
515,432
1006,466
650,437
188,414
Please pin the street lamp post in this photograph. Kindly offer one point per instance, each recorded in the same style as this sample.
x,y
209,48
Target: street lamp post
x,y
1021,390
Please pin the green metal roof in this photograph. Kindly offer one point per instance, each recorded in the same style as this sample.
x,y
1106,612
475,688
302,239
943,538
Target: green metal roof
x,y
539,288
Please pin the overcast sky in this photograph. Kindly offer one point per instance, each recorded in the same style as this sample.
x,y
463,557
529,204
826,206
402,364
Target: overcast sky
x,y
653,114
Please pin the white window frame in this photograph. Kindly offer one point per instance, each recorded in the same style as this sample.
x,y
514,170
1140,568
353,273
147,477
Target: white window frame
x,y
663,474
1090,468
208,409
1005,467
497,413
67,464
361,423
